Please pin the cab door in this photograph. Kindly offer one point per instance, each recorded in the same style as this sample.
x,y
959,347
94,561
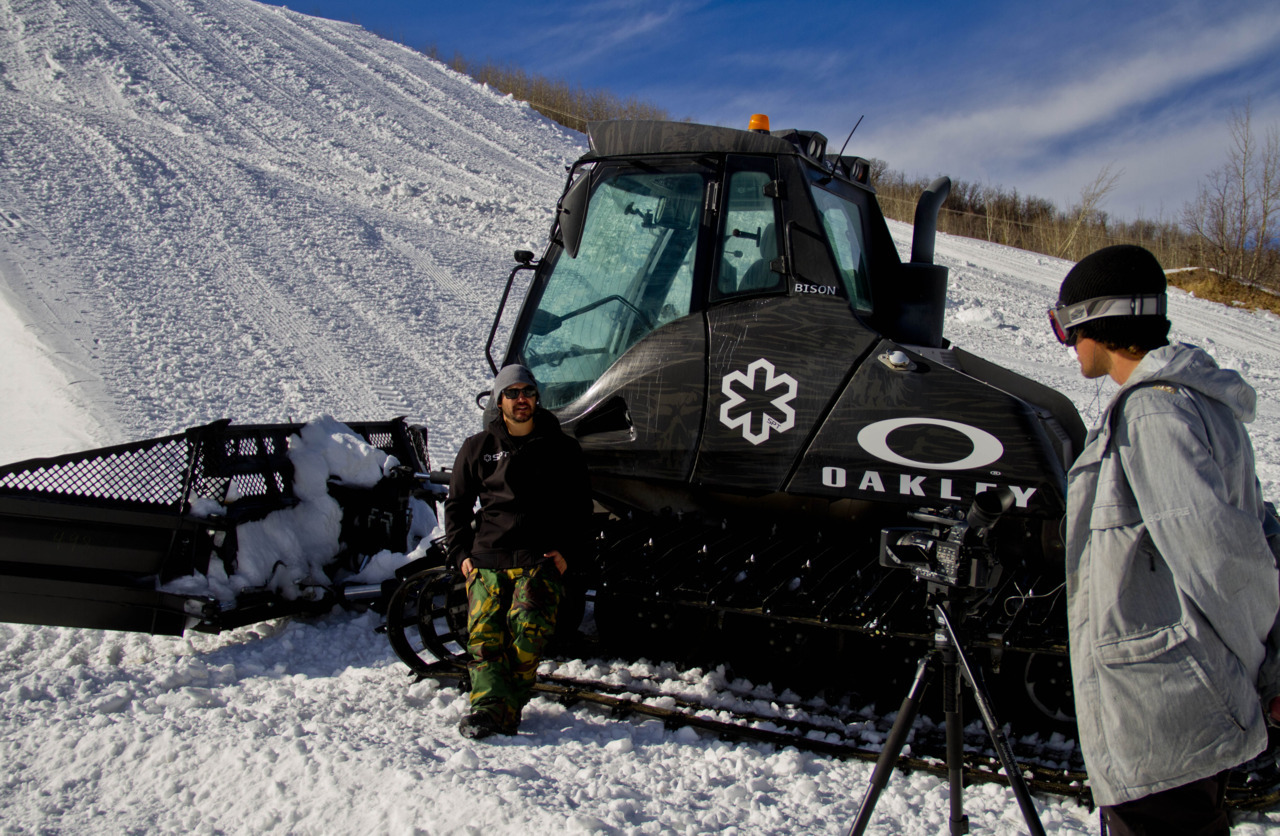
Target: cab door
x,y
613,335
780,344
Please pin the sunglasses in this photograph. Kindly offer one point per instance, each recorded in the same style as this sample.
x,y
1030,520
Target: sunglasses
x,y
1064,317
515,391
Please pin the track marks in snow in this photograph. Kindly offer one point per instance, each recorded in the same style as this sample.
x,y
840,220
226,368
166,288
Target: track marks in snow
x,y
10,221
263,216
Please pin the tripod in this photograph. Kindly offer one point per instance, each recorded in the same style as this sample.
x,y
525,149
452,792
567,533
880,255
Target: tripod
x,y
948,649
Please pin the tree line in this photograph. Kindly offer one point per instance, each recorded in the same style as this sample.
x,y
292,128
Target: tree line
x,y
1230,230
568,104
1229,235
1003,216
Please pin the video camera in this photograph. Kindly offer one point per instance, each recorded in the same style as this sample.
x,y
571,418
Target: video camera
x,y
954,551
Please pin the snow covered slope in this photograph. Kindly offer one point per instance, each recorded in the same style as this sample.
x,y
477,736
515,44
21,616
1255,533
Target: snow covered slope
x,y
217,208
220,208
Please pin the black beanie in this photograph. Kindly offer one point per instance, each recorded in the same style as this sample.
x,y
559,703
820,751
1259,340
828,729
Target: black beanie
x,y
1122,270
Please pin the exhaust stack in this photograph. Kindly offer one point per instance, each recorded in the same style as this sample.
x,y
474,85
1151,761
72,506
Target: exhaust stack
x,y
926,223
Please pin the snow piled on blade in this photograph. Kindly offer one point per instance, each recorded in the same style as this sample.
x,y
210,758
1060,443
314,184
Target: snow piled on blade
x,y
218,208
290,549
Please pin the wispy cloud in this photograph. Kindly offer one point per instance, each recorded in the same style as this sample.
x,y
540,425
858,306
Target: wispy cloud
x,y
1034,96
1127,83
596,31
1138,112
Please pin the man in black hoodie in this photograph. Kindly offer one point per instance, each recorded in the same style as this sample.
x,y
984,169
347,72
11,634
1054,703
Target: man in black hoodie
x,y
531,526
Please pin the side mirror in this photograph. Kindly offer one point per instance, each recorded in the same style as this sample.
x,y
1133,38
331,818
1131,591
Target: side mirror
x,y
524,256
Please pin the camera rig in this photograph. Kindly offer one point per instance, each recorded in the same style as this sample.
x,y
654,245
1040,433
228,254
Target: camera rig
x,y
954,551
955,557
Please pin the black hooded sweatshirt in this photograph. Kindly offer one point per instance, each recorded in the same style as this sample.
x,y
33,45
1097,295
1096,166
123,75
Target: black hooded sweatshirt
x,y
534,492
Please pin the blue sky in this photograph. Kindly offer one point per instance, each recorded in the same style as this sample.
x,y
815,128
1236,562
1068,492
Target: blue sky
x,y
1037,96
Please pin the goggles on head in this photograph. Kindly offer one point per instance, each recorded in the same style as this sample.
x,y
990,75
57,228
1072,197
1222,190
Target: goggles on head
x,y
1064,317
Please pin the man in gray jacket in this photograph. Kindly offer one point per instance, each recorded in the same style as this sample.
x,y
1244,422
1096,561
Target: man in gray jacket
x,y
1171,587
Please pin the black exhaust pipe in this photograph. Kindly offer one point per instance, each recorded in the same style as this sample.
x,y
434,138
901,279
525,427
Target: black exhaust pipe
x,y
910,309
926,223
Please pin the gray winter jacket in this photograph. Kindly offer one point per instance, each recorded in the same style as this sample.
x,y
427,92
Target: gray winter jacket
x,y
1171,586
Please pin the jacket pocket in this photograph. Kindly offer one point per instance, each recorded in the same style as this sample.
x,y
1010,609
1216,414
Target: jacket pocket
x,y
1162,713
1114,504
1113,515
1141,647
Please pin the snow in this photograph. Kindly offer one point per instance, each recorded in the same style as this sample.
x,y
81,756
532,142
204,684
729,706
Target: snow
x,y
215,208
287,550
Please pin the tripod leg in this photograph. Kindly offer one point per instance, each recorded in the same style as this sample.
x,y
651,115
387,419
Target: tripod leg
x,y
998,740
955,741
892,748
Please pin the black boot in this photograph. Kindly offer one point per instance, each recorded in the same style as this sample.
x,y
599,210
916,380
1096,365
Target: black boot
x,y
479,725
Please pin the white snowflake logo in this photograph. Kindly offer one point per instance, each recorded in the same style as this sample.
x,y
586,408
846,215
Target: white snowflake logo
x,y
772,380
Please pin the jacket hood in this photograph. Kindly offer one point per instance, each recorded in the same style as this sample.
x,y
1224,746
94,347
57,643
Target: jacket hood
x,y
1182,365
1191,367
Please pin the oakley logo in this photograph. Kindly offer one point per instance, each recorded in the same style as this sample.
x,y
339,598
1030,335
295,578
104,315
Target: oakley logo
x,y
874,438
746,381
923,485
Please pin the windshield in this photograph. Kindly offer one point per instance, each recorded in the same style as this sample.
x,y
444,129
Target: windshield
x,y
633,274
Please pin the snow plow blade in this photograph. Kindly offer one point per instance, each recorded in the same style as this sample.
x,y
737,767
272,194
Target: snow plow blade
x,y
98,538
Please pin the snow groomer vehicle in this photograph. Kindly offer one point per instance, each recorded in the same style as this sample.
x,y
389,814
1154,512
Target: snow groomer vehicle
x,y
763,391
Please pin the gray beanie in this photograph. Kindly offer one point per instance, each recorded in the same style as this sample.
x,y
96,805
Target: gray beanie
x,y
513,375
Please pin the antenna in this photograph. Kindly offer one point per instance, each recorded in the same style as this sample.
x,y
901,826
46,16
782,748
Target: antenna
x,y
835,164
849,137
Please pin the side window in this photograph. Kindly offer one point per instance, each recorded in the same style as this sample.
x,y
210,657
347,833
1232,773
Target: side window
x,y
750,239
842,221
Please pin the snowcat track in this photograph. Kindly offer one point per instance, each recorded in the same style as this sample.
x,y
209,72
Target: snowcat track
x,y
426,622
621,702
796,575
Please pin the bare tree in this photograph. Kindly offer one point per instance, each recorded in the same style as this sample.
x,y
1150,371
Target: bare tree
x,y
1236,213
1087,212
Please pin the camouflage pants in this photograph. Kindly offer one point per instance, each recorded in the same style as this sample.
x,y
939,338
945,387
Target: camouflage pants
x,y
511,617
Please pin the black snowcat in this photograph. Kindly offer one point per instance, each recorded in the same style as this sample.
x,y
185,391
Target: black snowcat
x,y
762,389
